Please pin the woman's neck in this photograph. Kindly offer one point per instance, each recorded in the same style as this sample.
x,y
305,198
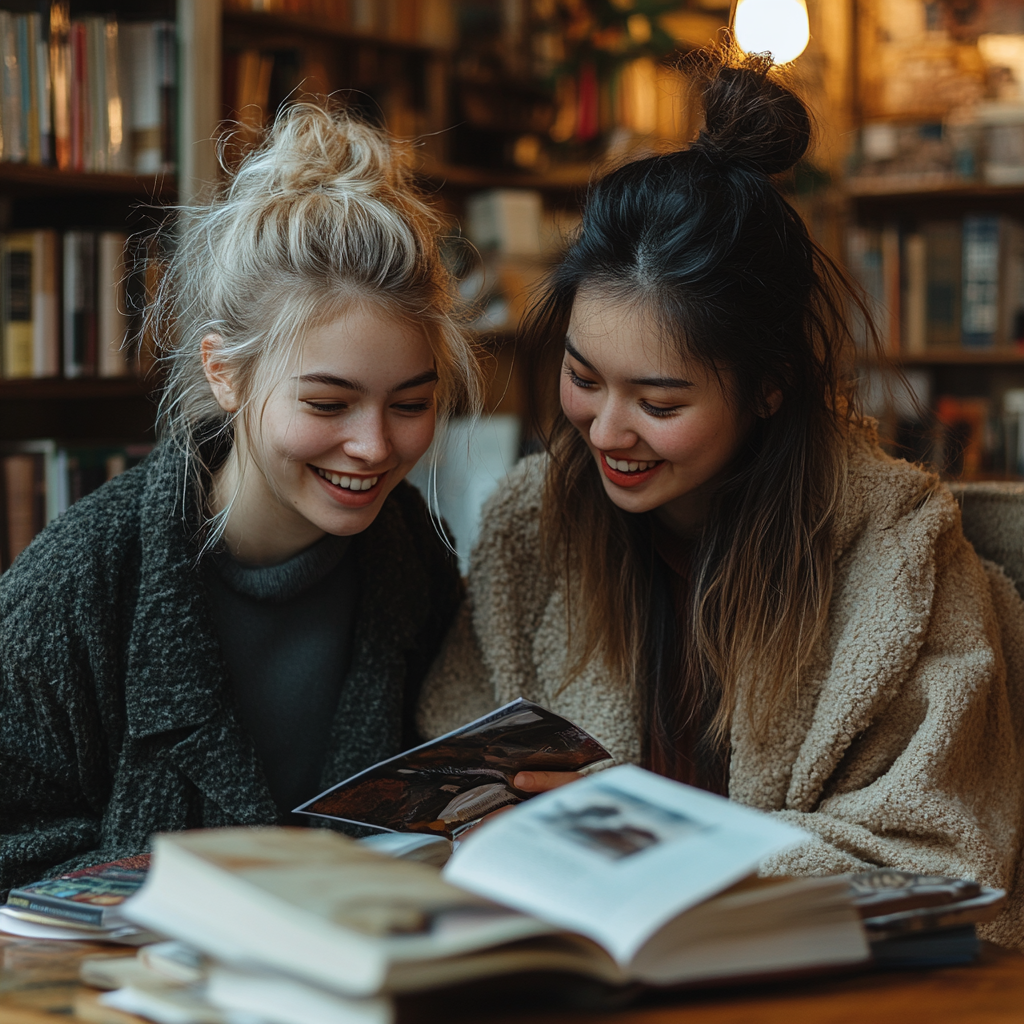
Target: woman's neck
x,y
260,528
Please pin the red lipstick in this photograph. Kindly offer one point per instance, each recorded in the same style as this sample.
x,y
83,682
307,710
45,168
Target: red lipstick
x,y
621,479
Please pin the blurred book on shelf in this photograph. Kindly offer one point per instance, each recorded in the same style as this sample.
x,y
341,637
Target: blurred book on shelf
x,y
87,325
942,284
89,93
41,479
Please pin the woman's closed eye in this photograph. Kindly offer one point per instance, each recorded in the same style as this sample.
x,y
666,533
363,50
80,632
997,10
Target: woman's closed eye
x,y
659,410
414,406
576,379
326,406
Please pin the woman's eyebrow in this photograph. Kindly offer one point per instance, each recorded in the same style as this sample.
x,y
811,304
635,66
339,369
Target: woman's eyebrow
x,y
329,379
660,382
574,352
427,377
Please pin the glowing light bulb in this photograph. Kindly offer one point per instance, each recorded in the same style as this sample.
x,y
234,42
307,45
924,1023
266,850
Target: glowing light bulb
x,y
778,27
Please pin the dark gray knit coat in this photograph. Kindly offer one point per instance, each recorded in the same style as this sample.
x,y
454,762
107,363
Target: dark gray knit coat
x,y
116,713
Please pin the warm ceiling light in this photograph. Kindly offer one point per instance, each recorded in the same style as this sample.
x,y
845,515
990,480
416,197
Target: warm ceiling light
x,y
778,27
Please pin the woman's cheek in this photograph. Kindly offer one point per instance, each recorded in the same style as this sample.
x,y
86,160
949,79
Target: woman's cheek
x,y
573,401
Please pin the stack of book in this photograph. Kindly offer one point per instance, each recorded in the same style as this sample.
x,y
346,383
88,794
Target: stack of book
x,y
69,304
87,94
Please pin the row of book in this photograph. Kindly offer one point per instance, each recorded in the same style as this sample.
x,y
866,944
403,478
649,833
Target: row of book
x,y
943,284
41,479
69,304
419,22
87,94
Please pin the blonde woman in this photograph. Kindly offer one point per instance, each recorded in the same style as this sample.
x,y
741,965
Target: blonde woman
x,y
715,568
246,617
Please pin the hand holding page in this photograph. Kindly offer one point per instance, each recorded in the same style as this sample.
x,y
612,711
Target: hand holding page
x,y
617,855
448,784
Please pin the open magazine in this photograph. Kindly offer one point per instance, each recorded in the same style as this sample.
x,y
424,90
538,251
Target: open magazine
x,y
444,786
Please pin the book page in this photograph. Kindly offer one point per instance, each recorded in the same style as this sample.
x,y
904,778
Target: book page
x,y
443,786
616,855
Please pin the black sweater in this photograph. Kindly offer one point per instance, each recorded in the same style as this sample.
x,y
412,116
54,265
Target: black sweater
x,y
116,715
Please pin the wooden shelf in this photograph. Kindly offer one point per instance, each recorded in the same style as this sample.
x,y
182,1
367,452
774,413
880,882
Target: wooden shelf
x,y
258,21
61,388
84,409
910,188
964,357
30,179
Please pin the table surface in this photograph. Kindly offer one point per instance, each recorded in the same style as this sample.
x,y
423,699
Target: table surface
x,y
39,985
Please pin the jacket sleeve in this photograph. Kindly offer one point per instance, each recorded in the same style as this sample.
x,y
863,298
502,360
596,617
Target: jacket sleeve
x,y
56,752
933,781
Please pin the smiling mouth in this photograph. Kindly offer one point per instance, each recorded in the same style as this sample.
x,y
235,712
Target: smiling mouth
x,y
630,466
348,482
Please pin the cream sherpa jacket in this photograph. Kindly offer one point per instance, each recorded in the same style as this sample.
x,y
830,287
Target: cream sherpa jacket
x,y
904,747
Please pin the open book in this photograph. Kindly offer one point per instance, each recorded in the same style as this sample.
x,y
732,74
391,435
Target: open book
x,y
444,786
622,877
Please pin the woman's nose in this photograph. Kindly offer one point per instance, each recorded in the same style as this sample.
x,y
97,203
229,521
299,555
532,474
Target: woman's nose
x,y
368,441
611,430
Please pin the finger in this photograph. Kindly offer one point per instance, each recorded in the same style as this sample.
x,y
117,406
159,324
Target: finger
x,y
540,782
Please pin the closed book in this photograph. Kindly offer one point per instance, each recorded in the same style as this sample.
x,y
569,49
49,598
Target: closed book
x,y
18,348
112,314
45,303
29,87
980,309
915,295
13,135
140,61
80,325
96,74
24,480
60,82
943,283
865,259
81,110
44,93
114,140
90,898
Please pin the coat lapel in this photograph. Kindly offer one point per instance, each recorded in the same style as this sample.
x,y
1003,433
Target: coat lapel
x,y
176,686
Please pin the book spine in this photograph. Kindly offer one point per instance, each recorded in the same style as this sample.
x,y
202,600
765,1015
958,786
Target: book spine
x,y
111,312
79,304
45,304
29,88
24,491
980,281
14,151
141,58
116,149
17,305
167,49
44,94
58,909
915,286
95,34
79,99
60,78
944,283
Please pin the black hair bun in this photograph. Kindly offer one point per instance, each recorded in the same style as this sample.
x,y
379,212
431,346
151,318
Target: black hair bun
x,y
751,119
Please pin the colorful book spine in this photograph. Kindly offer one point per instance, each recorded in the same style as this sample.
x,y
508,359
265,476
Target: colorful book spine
x,y
60,83
980,310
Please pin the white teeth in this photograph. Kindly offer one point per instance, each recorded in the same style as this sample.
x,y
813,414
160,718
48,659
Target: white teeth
x,y
625,466
350,483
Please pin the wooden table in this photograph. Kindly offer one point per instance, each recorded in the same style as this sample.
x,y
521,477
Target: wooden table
x,y
39,985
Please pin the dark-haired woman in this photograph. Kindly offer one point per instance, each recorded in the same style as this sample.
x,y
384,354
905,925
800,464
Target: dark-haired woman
x,y
715,568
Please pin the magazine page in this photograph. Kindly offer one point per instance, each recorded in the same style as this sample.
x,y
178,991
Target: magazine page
x,y
442,787
616,855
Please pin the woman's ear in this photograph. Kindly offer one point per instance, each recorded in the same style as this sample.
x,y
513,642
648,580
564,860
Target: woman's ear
x,y
772,403
211,348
